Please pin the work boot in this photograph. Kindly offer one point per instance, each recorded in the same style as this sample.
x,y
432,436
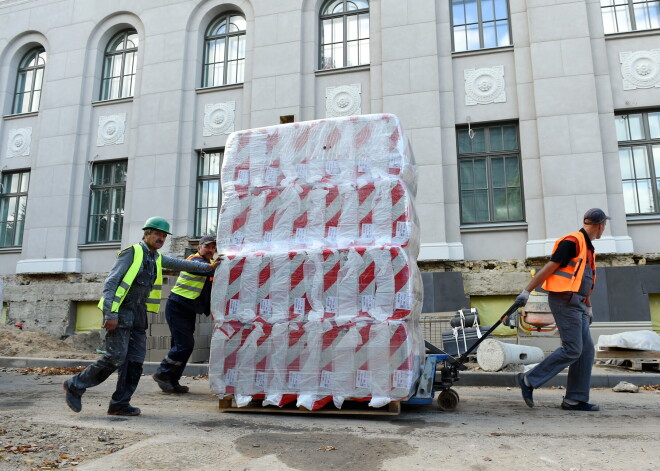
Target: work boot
x,y
180,389
527,391
163,383
73,399
581,406
125,410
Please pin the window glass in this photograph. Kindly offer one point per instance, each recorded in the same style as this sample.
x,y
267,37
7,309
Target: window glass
x,y
29,81
208,193
654,125
620,16
119,66
13,207
106,203
344,34
480,24
224,51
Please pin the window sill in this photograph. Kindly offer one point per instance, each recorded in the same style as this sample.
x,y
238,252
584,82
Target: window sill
x,y
641,220
632,34
20,115
342,70
233,86
10,250
112,102
100,245
490,50
495,226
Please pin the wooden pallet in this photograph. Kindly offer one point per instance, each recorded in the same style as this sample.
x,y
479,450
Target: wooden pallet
x,y
228,404
639,359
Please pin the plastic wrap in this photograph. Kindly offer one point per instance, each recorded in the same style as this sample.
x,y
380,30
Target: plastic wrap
x,y
319,294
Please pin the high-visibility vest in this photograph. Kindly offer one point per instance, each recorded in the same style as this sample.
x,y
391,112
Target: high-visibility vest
x,y
153,302
188,284
569,278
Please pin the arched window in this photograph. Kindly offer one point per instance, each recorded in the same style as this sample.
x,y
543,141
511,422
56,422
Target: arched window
x,y
224,51
29,80
119,66
344,33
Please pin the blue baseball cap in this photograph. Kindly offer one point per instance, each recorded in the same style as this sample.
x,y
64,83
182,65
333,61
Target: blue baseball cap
x,y
595,216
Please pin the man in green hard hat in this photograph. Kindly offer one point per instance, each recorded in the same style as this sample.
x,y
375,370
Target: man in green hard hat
x,y
132,288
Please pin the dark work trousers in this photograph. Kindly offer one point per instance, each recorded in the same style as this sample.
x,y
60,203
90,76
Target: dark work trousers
x,y
181,321
126,347
576,351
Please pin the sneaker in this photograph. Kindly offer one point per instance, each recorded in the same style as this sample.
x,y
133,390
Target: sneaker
x,y
124,410
180,389
583,406
163,383
525,390
73,399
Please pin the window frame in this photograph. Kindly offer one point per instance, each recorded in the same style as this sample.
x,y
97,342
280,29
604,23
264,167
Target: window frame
x,y
92,225
344,15
17,237
629,6
480,22
227,35
647,142
106,79
24,70
201,211
489,155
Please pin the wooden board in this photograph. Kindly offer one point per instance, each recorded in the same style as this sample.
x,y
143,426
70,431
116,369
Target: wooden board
x,y
626,354
228,404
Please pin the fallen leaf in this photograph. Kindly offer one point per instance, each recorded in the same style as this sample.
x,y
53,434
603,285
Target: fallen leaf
x,y
486,458
495,434
327,448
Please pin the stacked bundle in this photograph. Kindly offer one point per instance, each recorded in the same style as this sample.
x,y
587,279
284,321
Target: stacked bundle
x,y
320,295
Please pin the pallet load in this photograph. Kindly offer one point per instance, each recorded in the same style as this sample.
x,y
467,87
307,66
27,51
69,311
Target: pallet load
x,y
319,296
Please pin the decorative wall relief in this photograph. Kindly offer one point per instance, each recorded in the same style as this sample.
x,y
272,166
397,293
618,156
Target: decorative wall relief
x,y
111,130
344,100
219,118
484,85
19,142
640,69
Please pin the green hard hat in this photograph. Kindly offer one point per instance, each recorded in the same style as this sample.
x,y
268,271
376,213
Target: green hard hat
x,y
157,223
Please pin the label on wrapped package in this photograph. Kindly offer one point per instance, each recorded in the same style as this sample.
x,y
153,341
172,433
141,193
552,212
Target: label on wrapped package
x,y
271,176
367,303
367,231
402,379
260,379
294,380
301,171
268,237
403,301
332,167
233,307
264,307
363,379
237,237
299,306
395,161
301,235
331,304
326,379
363,166
243,177
332,233
231,377
402,230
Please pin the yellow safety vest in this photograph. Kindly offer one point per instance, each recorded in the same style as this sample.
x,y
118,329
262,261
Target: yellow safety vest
x,y
153,302
190,285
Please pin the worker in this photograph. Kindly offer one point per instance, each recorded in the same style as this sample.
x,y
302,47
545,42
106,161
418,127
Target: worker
x,y
190,296
132,288
569,278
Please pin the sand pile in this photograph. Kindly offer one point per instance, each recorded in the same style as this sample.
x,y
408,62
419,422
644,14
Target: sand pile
x,y
15,342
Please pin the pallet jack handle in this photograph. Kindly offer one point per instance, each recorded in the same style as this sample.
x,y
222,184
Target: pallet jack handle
x,y
504,317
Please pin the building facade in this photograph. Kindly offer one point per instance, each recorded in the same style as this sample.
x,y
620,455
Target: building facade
x,y
522,114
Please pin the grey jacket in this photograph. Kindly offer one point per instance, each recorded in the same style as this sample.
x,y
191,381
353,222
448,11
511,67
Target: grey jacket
x,y
138,293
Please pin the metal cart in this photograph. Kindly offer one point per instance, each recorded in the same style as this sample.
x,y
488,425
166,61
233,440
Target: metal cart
x,y
441,371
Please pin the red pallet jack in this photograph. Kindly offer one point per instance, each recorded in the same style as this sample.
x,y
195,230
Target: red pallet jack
x,y
441,370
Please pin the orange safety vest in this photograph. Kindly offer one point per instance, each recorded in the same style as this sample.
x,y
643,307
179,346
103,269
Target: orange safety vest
x,y
569,278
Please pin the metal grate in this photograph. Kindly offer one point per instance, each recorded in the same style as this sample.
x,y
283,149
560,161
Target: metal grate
x,y
433,324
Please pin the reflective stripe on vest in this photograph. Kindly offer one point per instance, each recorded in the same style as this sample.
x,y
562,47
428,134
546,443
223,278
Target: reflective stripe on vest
x,y
153,302
569,278
188,284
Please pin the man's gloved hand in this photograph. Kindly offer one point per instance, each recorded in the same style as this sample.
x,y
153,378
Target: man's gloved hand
x,y
522,298
590,314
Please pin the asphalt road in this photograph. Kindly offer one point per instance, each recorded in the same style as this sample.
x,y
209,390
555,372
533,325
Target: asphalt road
x,y
491,429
